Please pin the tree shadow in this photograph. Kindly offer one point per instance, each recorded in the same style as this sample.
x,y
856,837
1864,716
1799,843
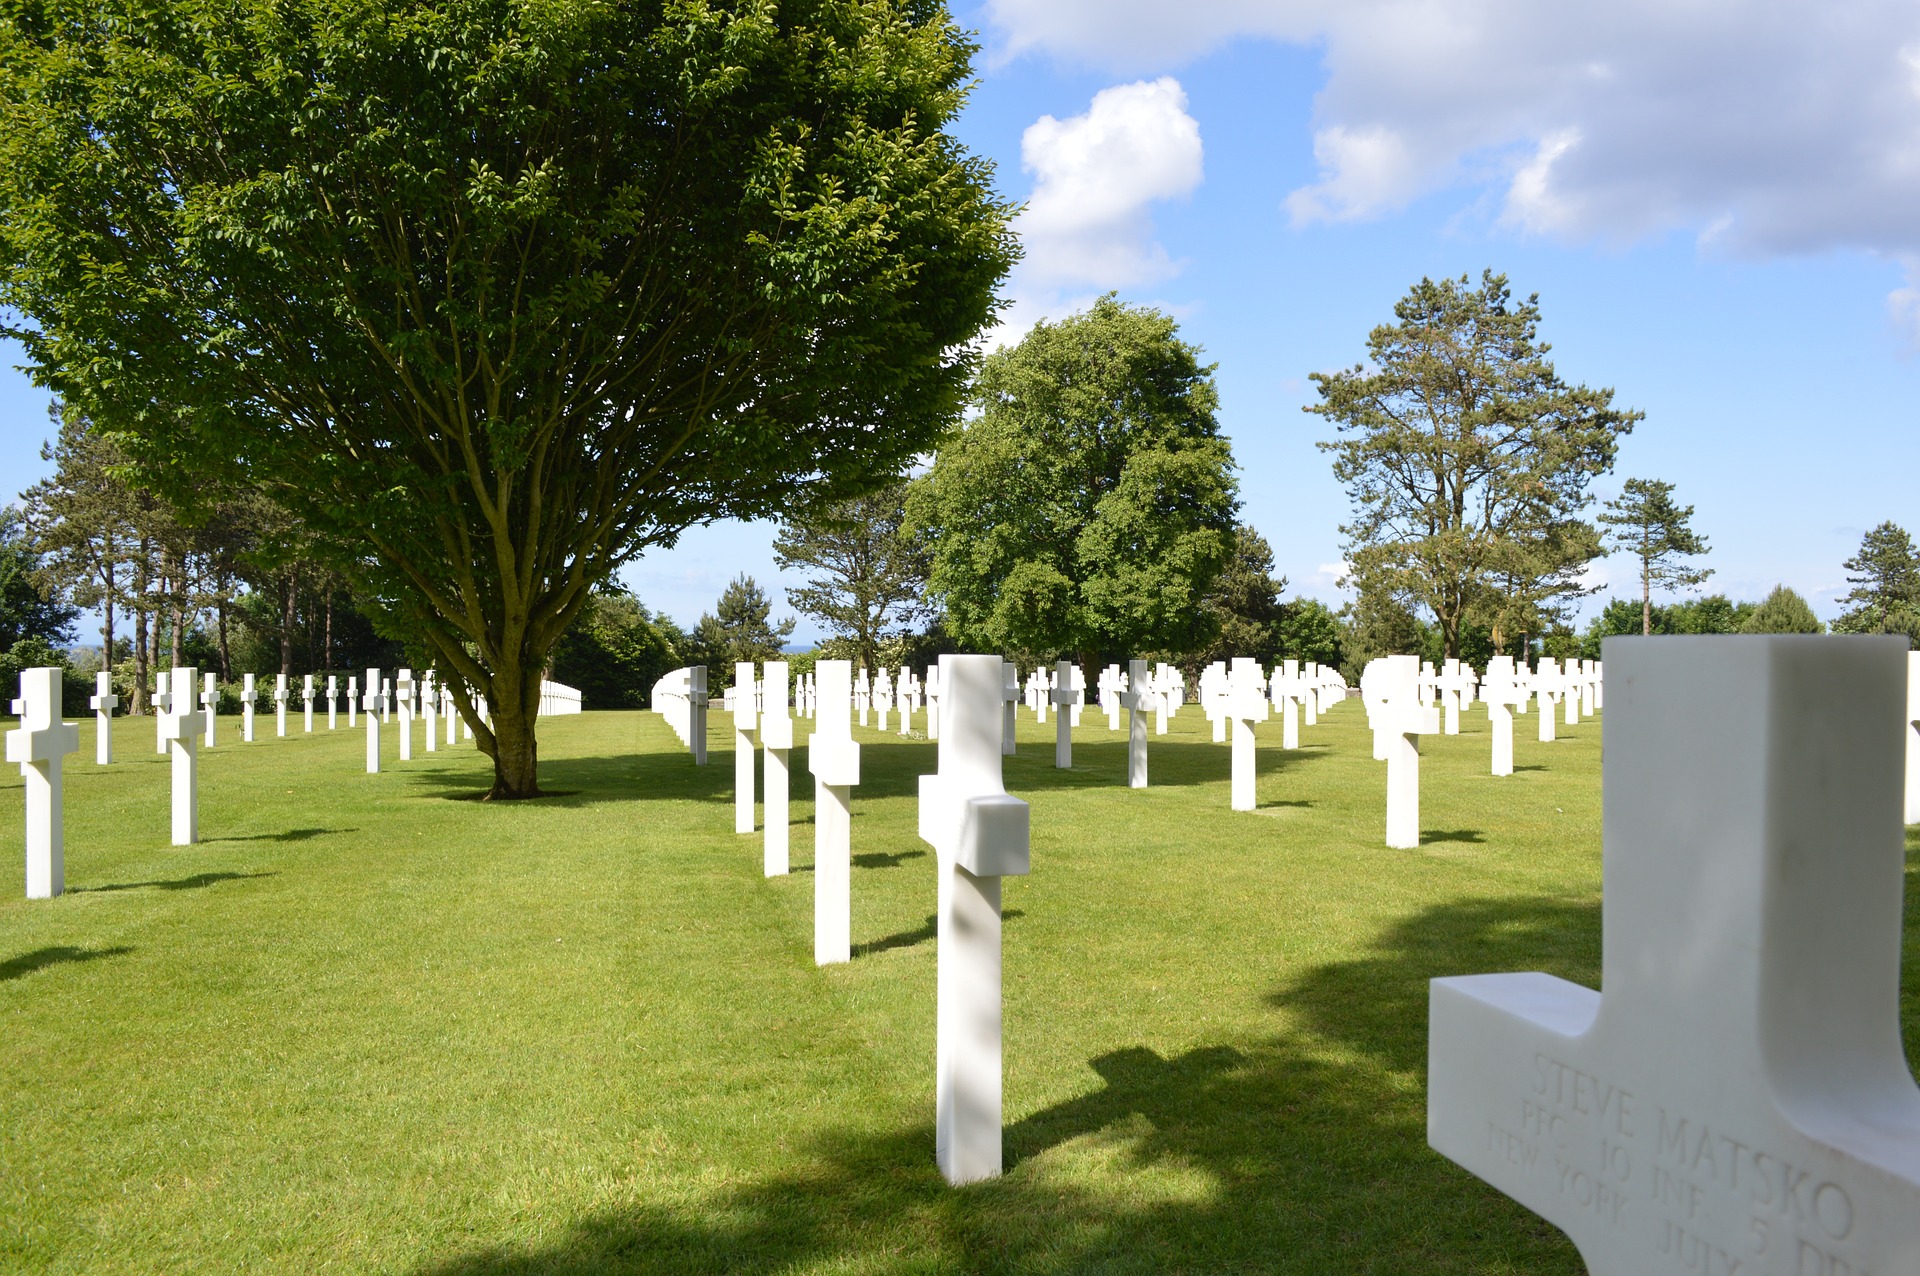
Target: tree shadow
x,y
1472,836
58,955
1303,1152
193,883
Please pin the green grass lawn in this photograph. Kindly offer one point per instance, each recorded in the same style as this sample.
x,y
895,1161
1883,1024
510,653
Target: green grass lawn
x,y
370,1024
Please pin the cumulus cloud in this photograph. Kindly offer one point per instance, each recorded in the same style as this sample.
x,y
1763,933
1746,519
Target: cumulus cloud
x,y
1768,127
1096,177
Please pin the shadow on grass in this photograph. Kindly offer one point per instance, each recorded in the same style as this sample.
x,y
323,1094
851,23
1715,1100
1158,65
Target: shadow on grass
x,y
886,859
1473,836
291,835
193,883
1302,1153
59,955
922,934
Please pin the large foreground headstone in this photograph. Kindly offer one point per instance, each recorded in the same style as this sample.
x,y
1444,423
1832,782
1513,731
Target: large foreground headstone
x,y
981,834
744,720
1912,734
182,724
40,744
102,702
776,743
1737,1102
834,758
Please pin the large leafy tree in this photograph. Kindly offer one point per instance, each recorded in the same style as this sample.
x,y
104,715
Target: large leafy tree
x,y
28,609
867,575
1244,603
1885,576
492,295
1465,456
1645,521
1090,505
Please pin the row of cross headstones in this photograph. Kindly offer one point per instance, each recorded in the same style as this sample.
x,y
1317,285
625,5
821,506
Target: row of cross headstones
x,y
185,720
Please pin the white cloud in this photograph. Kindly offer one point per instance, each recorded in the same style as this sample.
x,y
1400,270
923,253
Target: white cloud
x,y
1903,303
1771,126
1096,177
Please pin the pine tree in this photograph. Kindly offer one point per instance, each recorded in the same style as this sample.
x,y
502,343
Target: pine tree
x,y
1644,521
1885,576
867,573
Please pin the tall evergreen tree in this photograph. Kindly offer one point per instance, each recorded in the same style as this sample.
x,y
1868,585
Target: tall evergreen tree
x,y
1644,521
867,575
1459,445
740,627
1885,576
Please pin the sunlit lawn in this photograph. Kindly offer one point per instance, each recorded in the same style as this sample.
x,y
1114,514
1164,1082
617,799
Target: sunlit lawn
x,y
373,1025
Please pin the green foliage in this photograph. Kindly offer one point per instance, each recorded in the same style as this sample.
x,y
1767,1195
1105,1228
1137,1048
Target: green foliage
x,y
616,651
1783,612
1308,630
1713,614
1244,604
28,609
1089,507
35,652
1378,624
1644,521
868,575
1885,575
491,296
740,627
1467,459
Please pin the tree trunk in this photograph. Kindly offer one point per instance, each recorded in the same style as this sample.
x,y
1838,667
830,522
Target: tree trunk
x,y
220,622
139,697
286,622
106,629
177,614
1646,604
326,644
514,706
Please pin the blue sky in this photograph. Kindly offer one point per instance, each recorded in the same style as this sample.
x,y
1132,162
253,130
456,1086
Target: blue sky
x,y
1718,206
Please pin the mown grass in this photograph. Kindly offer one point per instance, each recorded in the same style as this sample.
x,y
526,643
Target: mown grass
x,y
372,1025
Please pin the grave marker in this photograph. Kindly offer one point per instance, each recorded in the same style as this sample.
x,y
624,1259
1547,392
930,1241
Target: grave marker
x,y
162,688
210,704
353,699
981,833
280,705
247,697
1912,734
833,756
183,725
1547,686
1246,705
1737,1101
1066,699
1390,687
40,745
1504,696
743,725
776,743
1136,699
403,691
372,708
1456,692
333,692
306,701
430,710
102,702
1010,693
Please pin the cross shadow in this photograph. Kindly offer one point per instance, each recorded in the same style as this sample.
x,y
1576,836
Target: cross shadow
x,y
59,955
193,883
885,859
920,934
290,835
1473,836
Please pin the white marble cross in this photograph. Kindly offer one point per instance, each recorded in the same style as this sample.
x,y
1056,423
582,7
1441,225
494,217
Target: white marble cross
x,y
776,745
403,688
1547,685
863,694
1246,705
1288,690
1010,694
1456,692
306,701
280,705
1504,695
1170,687
386,700
371,706
102,702
981,834
353,699
1066,695
40,744
161,690
1912,734
182,725
933,701
697,715
744,721
1039,694
1311,703
210,704
430,709
1111,682
1390,688
1137,698
1737,1101
247,696
833,756
1213,698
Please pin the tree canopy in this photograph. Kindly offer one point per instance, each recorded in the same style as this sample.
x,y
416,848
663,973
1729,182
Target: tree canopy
x,y
740,627
1089,506
1467,459
1783,612
1885,575
1645,521
867,575
492,296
